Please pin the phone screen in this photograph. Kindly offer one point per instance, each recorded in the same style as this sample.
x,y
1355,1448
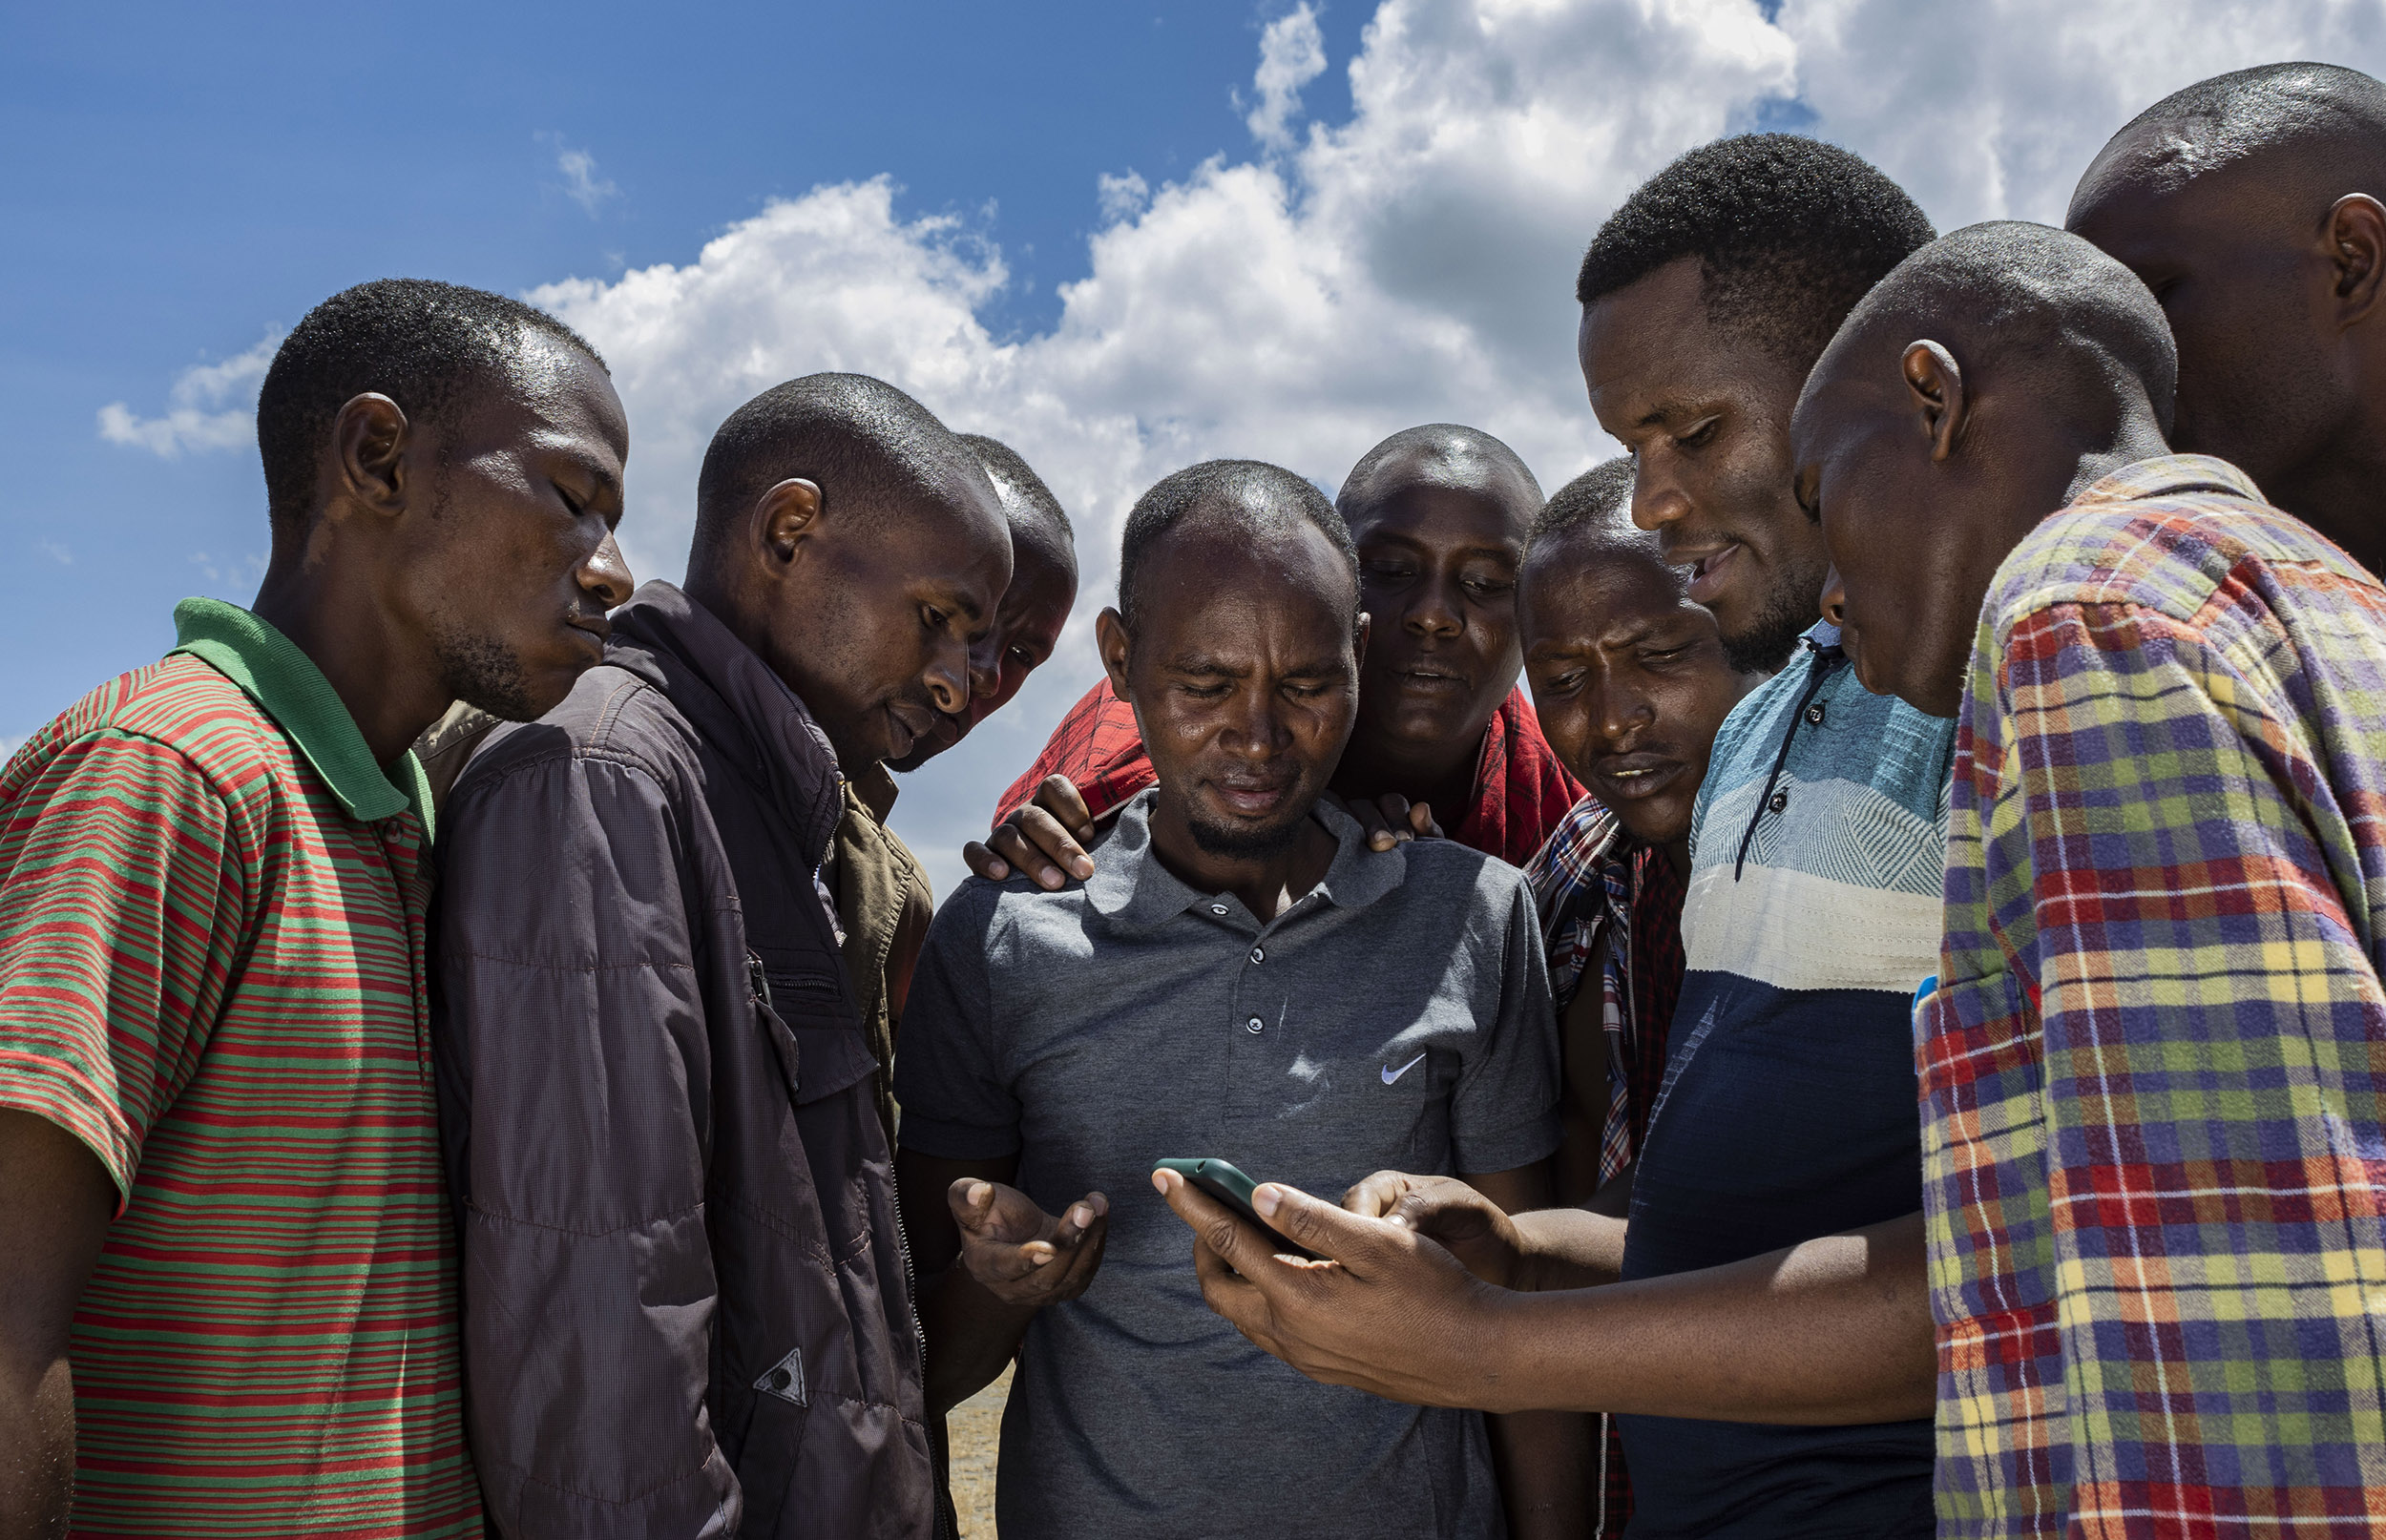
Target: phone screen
x,y
1224,1181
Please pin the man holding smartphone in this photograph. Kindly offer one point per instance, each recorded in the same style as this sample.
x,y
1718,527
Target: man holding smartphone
x,y
1242,978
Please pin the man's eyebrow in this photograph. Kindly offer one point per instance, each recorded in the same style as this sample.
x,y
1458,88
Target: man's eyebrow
x,y
1197,663
1664,409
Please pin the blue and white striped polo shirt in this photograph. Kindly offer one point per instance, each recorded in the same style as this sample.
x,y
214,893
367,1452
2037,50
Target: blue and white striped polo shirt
x,y
1789,1109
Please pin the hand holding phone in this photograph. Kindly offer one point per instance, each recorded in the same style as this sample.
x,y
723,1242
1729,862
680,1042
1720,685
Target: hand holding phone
x,y
1222,1181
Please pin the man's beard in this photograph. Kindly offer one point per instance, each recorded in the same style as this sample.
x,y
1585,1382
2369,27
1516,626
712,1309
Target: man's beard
x,y
1765,646
1240,843
480,671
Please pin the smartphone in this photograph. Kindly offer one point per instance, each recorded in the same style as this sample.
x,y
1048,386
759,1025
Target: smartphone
x,y
1220,1180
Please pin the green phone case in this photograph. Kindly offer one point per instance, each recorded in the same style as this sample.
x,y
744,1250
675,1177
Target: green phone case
x,y
1222,1180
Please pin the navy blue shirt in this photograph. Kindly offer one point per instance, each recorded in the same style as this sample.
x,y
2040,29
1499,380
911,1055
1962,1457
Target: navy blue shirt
x,y
1789,1108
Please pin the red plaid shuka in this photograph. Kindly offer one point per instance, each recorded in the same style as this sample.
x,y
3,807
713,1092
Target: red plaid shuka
x,y
1521,792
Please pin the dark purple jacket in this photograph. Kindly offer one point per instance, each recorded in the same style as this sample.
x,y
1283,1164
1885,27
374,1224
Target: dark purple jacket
x,y
686,1296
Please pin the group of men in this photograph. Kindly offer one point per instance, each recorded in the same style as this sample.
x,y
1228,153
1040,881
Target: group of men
x,y
1888,1040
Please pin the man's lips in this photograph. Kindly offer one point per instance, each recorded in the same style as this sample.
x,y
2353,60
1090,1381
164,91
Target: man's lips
x,y
910,724
1425,679
1710,572
1630,777
1252,795
594,627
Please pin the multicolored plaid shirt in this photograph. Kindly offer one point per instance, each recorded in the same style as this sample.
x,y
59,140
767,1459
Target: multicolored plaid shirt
x,y
1521,792
2154,1070
1593,883
212,908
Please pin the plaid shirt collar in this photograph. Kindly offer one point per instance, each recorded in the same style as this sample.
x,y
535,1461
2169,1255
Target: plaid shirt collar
x,y
2170,475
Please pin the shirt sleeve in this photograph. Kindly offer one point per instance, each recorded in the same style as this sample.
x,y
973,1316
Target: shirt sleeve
x,y
1098,746
574,1057
956,1103
1504,1111
123,898
2157,856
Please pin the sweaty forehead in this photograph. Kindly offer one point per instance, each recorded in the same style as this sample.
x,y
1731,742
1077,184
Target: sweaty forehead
x,y
1465,506
1222,572
547,389
1650,352
2182,178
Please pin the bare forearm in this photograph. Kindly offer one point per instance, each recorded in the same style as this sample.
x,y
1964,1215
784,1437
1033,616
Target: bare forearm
x,y
36,1452
1832,1331
1568,1249
1546,1471
971,1336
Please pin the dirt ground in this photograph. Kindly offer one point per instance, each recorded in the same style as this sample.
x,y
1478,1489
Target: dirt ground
x,y
975,1428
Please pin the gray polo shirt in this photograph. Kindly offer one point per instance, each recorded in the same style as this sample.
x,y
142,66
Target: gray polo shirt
x,y
1398,1015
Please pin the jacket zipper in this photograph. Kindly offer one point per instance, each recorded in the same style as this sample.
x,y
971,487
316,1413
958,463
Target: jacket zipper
x,y
920,1342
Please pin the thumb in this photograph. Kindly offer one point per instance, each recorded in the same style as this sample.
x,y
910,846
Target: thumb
x,y
971,1199
1325,1228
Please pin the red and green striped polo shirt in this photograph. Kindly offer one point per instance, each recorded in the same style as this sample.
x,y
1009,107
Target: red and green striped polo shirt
x,y
211,973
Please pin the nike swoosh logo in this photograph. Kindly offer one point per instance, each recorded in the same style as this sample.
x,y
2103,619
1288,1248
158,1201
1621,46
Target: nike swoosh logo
x,y
1391,1075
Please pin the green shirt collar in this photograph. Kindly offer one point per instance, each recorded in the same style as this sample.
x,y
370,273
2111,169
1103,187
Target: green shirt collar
x,y
289,688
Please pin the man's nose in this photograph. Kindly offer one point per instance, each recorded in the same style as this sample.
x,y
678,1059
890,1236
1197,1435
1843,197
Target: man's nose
x,y
1435,611
1835,598
1657,497
949,678
1258,731
986,666
606,574
1622,714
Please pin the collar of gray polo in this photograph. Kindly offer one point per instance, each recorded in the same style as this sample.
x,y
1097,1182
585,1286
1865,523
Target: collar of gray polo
x,y
1131,888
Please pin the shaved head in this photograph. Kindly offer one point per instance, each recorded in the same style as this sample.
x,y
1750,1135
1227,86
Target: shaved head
x,y
2016,300
1441,455
2251,205
2319,127
1985,383
858,547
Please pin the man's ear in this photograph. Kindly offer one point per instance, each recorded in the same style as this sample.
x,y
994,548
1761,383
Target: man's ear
x,y
370,437
1935,383
1110,640
2356,243
784,517
1358,640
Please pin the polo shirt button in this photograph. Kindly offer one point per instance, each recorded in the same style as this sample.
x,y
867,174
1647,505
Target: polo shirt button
x,y
1259,954
1217,908
1777,800
1814,713
1255,1025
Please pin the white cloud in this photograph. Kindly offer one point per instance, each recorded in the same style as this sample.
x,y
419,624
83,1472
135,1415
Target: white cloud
x,y
581,182
1121,197
57,550
1292,53
1299,301
210,406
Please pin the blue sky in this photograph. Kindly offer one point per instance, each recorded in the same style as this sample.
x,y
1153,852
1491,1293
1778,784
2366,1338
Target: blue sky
x,y
186,179
1120,237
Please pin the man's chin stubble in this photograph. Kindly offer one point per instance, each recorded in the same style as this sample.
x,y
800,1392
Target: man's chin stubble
x,y
1766,645
1245,844
483,672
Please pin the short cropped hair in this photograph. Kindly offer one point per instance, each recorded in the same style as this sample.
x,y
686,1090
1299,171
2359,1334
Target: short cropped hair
x,y
2009,292
1449,451
1263,498
1013,477
1598,500
1789,233
424,344
868,446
